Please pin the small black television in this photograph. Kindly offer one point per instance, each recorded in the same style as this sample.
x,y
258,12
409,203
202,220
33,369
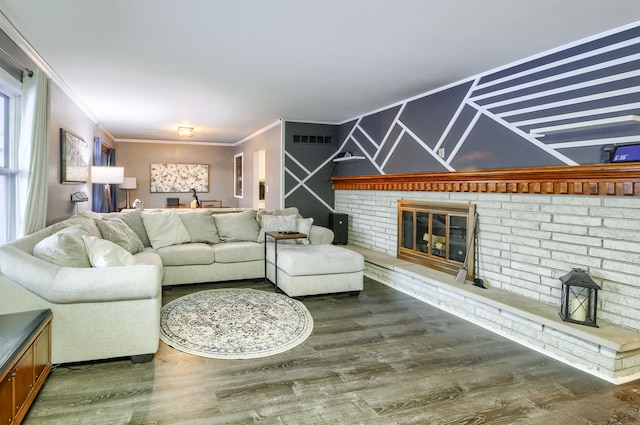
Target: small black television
x,y
626,153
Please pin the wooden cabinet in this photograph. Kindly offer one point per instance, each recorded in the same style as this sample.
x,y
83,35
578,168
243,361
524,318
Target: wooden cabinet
x,y
25,361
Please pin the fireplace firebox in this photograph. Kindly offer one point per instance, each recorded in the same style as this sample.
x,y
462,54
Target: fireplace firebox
x,y
436,234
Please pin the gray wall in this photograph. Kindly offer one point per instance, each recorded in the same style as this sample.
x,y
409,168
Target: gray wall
x,y
136,158
66,114
271,141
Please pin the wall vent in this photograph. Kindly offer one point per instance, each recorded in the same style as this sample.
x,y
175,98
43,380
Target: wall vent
x,y
323,140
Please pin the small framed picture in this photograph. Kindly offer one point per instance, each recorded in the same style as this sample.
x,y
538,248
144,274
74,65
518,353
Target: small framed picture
x,y
237,176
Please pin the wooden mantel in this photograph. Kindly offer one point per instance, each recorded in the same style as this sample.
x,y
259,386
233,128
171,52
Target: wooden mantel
x,y
598,179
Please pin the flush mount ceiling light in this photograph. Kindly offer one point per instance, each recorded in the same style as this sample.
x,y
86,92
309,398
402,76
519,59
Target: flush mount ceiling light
x,y
185,131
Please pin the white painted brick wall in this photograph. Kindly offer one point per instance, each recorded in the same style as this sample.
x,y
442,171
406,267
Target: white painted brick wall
x,y
526,242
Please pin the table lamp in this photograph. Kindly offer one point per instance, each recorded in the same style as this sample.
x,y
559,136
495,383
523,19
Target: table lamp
x,y
107,176
128,184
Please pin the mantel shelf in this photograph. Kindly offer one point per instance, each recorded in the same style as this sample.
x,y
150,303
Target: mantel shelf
x,y
348,158
597,179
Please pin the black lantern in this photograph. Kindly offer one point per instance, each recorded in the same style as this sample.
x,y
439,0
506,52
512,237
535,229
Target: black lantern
x,y
579,298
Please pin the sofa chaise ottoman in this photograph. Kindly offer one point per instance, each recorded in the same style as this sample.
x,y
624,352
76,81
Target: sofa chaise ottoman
x,y
316,269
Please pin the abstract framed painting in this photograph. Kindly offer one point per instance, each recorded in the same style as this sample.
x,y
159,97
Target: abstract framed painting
x,y
179,178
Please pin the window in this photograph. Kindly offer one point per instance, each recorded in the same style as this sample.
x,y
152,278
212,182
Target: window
x,y
9,122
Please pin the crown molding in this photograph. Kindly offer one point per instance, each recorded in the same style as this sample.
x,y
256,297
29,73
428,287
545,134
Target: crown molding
x,y
17,37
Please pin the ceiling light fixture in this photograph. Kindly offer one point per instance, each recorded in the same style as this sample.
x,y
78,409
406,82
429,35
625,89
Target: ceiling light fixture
x,y
185,131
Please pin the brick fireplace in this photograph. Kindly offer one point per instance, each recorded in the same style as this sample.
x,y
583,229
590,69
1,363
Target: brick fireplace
x,y
534,227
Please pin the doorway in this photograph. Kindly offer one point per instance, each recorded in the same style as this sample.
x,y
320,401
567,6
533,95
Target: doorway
x,y
259,183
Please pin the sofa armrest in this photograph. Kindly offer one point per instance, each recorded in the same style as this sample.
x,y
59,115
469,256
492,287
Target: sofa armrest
x,y
320,235
79,285
66,285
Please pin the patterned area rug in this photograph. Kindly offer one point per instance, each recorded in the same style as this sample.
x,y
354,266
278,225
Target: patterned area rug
x,y
234,323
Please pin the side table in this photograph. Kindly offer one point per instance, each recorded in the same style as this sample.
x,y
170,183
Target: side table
x,y
277,236
25,361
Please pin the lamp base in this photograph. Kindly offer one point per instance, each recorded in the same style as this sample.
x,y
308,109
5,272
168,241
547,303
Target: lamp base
x,y
106,194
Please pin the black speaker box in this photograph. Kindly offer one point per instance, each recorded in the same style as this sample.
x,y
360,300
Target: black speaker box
x,y
339,223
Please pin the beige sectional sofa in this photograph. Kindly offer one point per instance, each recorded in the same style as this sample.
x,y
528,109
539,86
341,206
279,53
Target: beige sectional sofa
x,y
102,275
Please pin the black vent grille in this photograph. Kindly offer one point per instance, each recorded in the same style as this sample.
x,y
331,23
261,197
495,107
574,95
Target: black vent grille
x,y
322,140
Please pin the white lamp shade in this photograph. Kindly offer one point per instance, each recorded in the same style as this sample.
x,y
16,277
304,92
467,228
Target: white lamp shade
x,y
107,175
129,183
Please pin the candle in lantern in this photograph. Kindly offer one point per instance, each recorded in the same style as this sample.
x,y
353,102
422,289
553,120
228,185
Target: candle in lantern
x,y
578,309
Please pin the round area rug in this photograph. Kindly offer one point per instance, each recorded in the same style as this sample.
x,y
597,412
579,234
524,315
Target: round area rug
x,y
234,323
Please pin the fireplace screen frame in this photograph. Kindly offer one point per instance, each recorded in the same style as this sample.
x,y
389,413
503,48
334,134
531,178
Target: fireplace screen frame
x,y
431,235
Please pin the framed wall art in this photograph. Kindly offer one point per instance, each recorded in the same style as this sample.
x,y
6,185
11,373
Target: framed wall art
x,y
237,176
179,178
74,158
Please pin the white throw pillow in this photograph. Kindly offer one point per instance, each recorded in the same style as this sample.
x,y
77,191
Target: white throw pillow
x,y
277,223
64,248
104,253
303,225
165,228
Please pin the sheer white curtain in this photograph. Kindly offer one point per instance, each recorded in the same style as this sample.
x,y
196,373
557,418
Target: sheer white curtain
x,y
33,155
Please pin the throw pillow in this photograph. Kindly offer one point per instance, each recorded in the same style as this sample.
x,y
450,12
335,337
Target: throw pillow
x,y
285,211
277,223
272,223
118,232
134,221
64,248
104,253
237,227
303,225
165,228
200,226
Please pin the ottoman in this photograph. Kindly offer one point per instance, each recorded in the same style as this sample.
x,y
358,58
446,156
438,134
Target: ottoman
x,y
316,269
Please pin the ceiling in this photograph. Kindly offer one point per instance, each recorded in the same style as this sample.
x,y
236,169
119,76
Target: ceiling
x,y
228,68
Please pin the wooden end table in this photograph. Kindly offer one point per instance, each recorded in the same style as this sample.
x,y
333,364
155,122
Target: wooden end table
x,y
277,236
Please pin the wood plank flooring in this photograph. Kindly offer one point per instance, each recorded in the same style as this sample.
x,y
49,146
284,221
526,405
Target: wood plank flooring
x,y
380,358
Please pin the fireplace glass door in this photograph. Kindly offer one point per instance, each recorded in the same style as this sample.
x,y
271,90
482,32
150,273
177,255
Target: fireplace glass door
x,y
435,234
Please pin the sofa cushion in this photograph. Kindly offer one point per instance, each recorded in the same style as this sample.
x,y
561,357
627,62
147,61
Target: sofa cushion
x,y
104,253
149,257
186,254
275,223
298,260
134,221
237,227
200,226
238,251
64,248
119,232
165,228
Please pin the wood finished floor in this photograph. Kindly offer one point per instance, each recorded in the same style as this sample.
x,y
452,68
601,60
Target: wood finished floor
x,y
381,358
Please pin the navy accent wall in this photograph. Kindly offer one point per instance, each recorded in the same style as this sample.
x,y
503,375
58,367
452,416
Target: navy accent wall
x,y
487,121
483,122
307,168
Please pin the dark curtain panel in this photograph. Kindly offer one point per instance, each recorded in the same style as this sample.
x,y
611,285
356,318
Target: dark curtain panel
x,y
97,188
102,156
